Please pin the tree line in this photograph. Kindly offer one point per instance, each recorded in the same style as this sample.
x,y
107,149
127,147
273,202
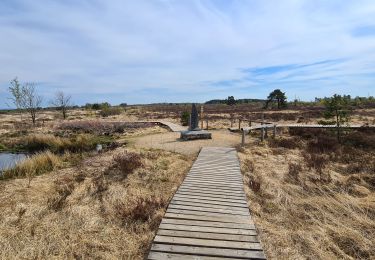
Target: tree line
x,y
26,98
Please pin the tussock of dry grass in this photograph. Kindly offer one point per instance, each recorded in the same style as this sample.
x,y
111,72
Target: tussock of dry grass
x,y
302,215
92,211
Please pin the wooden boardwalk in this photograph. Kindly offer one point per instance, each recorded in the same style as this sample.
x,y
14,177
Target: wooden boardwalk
x,y
208,217
172,126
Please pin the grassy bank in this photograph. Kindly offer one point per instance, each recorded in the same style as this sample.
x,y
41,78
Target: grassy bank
x,y
109,206
311,197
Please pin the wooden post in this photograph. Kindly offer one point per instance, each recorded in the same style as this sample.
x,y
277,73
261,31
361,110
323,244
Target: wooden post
x,y
249,123
274,131
206,123
243,138
264,129
190,122
231,122
239,123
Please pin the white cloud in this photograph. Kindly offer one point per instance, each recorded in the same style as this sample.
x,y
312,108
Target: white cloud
x,y
118,47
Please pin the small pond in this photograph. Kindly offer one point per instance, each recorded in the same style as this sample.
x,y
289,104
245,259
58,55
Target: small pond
x,y
8,160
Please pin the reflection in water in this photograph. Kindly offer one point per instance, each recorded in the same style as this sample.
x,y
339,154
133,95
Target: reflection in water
x,y
9,160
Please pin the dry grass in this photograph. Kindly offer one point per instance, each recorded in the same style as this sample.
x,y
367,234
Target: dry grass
x,y
91,211
302,216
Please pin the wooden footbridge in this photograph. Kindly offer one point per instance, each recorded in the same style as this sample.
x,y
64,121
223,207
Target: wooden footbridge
x,y
208,217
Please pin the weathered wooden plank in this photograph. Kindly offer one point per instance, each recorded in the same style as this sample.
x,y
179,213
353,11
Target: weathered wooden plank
x,y
218,195
213,192
220,218
205,235
209,251
207,242
207,209
207,223
216,173
228,184
213,214
248,232
210,198
229,187
215,177
212,202
212,187
209,206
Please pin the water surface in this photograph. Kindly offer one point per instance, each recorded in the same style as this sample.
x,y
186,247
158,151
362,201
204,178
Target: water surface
x,y
9,160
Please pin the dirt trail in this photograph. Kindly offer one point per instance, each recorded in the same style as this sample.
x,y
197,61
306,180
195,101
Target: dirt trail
x,y
170,142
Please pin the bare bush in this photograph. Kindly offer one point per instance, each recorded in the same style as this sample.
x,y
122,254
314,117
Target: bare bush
x,y
316,161
127,162
254,184
289,143
294,170
62,102
140,209
101,128
323,144
111,111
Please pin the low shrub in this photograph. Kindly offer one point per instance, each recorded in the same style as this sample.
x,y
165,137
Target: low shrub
x,y
315,161
111,111
294,170
289,143
364,140
140,209
306,133
101,128
35,165
323,144
249,165
254,184
127,162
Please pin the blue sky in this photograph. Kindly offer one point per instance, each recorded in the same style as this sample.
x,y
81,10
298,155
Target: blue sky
x,y
188,51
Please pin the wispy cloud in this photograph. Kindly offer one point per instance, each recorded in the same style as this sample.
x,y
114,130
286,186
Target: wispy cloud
x,y
188,50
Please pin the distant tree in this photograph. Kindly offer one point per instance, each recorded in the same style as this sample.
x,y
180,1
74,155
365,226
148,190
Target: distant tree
x,y
123,105
278,96
30,100
338,108
104,105
230,101
185,116
62,101
25,97
16,92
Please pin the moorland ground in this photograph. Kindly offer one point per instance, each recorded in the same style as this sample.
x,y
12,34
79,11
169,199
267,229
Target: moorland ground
x,y
310,196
